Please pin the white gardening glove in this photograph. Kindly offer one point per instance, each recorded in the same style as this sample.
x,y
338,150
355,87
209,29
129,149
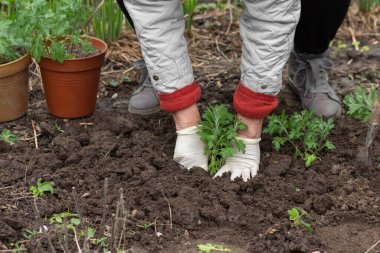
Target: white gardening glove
x,y
243,165
189,149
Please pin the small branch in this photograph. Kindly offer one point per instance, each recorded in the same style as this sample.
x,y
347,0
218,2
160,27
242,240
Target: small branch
x,y
105,207
373,246
170,209
75,195
35,134
76,241
231,17
65,236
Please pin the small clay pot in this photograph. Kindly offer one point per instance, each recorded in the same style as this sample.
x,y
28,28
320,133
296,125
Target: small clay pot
x,y
71,88
14,77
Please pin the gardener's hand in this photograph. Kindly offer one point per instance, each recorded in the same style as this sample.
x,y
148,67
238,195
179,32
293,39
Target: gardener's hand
x,y
243,165
189,149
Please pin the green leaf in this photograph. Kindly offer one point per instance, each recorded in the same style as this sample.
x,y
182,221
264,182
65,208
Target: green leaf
x,y
113,83
360,103
218,131
293,214
90,232
210,247
329,145
8,137
75,221
309,159
41,188
278,142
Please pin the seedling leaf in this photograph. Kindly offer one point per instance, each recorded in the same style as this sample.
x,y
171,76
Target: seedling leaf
x,y
207,248
304,131
218,131
41,188
8,137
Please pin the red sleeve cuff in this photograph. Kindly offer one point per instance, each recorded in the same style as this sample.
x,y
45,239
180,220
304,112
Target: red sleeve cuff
x,y
180,99
252,104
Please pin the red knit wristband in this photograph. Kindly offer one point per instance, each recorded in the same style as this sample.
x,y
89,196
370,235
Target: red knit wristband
x,y
252,104
180,99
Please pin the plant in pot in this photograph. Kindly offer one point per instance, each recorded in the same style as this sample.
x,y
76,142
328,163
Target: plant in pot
x,y
14,71
70,62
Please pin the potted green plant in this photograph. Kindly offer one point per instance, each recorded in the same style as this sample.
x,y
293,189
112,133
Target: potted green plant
x,y
70,61
14,63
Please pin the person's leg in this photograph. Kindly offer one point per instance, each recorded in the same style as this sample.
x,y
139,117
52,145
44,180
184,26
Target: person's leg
x,y
308,67
144,99
267,29
319,22
160,30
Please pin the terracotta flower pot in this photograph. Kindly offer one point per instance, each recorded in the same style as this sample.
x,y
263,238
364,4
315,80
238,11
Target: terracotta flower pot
x,y
71,88
14,78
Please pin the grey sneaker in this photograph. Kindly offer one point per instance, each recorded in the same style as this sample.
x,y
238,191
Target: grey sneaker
x,y
144,99
309,79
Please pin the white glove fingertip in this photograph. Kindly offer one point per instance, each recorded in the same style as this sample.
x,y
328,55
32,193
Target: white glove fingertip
x,y
222,170
246,174
254,171
235,173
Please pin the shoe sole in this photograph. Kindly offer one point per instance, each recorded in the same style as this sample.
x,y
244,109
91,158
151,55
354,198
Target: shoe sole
x,y
336,116
143,112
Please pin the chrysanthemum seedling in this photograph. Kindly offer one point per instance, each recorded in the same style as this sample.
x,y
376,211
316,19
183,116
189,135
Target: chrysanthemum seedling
x,y
58,218
218,131
8,137
145,225
58,128
209,247
304,131
41,188
360,103
296,217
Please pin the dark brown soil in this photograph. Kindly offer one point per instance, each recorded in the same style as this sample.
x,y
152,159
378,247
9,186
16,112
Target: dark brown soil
x,y
134,153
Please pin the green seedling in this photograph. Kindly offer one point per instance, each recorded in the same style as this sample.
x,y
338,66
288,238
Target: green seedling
x,y
218,131
58,219
30,234
296,217
145,225
189,11
304,131
41,188
360,103
16,247
58,128
209,247
126,79
8,137
113,83
101,242
89,234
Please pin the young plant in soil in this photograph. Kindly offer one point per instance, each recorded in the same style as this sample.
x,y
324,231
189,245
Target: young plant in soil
x,y
296,217
53,29
9,45
218,131
209,247
41,188
304,131
360,103
12,46
8,137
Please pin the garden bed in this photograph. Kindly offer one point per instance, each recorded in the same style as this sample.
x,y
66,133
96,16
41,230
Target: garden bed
x,y
188,207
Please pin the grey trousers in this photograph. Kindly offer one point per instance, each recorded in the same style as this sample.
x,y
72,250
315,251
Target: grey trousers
x,y
267,30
